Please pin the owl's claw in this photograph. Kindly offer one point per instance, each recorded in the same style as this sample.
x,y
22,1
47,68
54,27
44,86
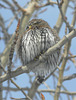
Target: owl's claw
x,y
40,79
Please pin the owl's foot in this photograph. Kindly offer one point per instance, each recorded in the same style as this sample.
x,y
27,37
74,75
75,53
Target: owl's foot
x,y
40,79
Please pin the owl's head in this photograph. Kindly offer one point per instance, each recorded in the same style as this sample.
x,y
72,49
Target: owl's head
x,y
37,23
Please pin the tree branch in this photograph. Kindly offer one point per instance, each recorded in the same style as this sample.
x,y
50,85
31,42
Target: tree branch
x,y
61,71
73,76
47,4
24,21
15,85
42,58
0,83
53,91
63,17
60,20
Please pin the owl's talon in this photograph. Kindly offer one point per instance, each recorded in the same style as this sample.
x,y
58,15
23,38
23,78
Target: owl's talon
x,y
40,79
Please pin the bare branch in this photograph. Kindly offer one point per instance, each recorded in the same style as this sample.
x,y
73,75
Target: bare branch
x,y
21,90
27,12
61,71
73,76
47,4
24,22
69,57
19,7
63,17
33,89
13,47
33,64
15,84
0,83
60,20
15,89
53,91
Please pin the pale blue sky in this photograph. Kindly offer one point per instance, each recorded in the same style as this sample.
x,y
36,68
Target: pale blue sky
x,y
51,16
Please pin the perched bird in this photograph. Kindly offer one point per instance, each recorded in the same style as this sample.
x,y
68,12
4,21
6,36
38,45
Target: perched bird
x,y
36,40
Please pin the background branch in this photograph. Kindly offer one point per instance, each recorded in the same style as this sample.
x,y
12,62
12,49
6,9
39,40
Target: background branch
x,y
10,12
24,69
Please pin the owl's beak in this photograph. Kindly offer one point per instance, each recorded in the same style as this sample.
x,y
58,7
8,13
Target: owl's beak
x,y
30,27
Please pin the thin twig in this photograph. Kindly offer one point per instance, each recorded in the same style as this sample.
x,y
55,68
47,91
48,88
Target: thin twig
x,y
63,17
42,58
73,56
19,7
24,21
73,76
16,84
59,22
61,71
53,91
13,47
15,89
47,4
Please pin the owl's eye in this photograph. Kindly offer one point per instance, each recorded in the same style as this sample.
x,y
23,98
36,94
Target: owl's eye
x,y
28,27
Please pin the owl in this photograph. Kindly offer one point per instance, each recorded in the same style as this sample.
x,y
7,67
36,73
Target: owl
x,y
36,40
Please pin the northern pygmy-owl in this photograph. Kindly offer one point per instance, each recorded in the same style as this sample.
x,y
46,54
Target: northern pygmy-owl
x,y
37,38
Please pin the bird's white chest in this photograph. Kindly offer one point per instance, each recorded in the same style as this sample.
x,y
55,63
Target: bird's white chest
x,y
34,42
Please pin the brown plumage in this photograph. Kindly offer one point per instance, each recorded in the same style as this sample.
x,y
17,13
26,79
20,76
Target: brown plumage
x,y
35,41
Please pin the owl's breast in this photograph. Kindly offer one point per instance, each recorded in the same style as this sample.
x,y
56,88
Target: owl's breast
x,y
35,42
